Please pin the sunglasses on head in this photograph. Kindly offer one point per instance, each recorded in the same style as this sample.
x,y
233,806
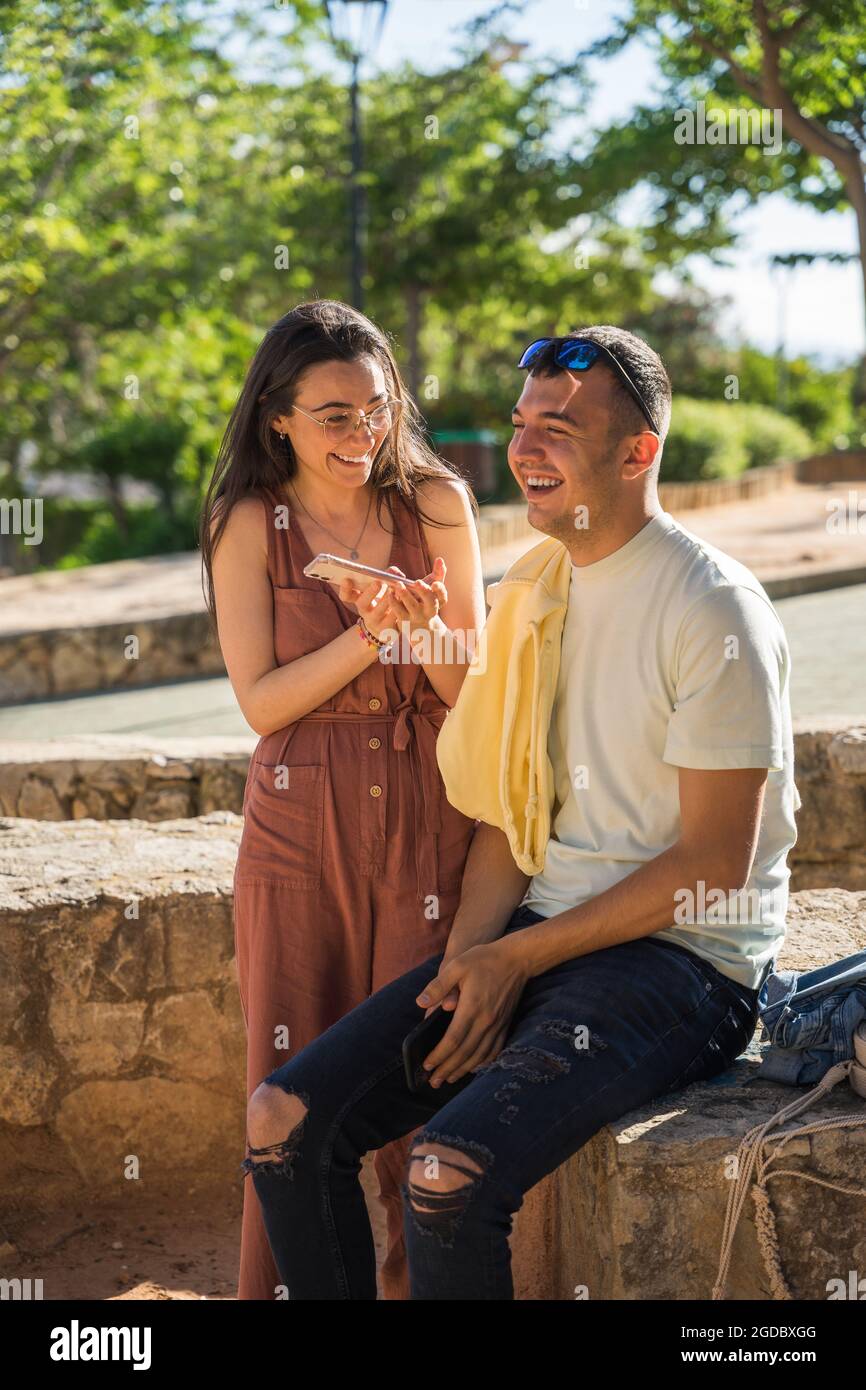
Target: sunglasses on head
x,y
578,355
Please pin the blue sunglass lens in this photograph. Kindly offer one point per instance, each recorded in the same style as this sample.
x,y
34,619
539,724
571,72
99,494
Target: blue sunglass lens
x,y
577,356
532,351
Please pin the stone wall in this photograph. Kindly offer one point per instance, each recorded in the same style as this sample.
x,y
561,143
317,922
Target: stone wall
x,y
122,1036
830,771
75,660
112,778
122,1058
714,492
837,466
115,778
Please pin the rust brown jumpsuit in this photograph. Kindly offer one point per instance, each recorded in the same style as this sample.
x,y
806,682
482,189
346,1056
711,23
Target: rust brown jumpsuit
x,y
350,874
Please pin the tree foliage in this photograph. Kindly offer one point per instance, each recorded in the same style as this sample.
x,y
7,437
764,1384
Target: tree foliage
x,y
176,176
802,60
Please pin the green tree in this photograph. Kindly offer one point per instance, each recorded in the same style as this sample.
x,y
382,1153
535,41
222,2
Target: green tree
x,y
805,60
144,186
161,204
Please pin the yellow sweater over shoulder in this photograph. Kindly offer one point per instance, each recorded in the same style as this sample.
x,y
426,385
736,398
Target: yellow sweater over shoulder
x,y
492,747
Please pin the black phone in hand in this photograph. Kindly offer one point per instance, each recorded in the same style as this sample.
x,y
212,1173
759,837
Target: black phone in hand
x,y
420,1043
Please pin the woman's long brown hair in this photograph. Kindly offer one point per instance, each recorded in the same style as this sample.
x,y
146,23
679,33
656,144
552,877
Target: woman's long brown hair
x,y
253,460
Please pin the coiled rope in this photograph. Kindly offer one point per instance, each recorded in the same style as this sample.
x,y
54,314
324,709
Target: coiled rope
x,y
757,1153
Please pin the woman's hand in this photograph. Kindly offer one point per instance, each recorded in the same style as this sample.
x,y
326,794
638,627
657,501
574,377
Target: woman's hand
x,y
489,981
385,608
422,598
374,602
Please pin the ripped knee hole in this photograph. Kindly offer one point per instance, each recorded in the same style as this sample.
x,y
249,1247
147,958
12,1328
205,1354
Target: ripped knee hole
x,y
442,1177
274,1111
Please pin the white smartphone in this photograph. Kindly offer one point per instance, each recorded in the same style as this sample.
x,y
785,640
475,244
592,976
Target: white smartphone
x,y
335,568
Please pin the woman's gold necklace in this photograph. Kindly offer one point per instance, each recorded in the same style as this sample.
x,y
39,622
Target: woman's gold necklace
x,y
353,552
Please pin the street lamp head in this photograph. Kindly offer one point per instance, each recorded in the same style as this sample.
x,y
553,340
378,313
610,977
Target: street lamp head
x,y
356,25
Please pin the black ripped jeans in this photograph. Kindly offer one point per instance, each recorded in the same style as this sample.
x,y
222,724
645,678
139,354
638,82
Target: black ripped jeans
x,y
590,1040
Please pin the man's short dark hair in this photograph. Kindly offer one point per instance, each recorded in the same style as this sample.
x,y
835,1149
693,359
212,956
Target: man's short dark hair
x,y
644,366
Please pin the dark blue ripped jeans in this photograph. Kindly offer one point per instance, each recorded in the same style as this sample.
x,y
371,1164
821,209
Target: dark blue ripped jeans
x,y
590,1040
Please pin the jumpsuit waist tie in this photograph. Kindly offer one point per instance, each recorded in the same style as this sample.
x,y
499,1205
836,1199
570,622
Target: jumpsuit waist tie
x,y
415,733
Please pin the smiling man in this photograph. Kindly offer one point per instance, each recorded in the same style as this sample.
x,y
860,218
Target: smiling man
x,y
618,971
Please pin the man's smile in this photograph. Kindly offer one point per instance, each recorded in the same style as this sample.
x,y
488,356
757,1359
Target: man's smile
x,y
537,484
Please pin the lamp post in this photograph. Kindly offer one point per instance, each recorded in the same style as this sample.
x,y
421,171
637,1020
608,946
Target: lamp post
x,y
780,267
355,39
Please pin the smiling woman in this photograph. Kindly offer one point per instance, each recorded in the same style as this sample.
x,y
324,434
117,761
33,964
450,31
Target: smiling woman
x,y
351,859
343,422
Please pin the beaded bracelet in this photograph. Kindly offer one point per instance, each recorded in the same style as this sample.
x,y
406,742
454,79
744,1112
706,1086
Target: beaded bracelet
x,y
368,637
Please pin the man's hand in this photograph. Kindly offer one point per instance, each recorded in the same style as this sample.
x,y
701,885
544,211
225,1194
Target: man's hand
x,y
489,981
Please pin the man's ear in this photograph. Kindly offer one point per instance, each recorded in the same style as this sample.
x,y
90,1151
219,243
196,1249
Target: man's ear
x,y
643,449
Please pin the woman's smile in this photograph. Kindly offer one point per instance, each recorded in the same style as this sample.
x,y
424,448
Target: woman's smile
x,y
352,461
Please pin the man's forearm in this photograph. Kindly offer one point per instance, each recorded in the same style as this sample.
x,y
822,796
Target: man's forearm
x,y
642,903
493,886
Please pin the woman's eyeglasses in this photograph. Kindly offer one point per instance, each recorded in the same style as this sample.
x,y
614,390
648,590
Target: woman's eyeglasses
x,y
578,355
345,422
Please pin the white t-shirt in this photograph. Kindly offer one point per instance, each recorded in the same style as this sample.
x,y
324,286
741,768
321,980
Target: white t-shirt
x,y
672,656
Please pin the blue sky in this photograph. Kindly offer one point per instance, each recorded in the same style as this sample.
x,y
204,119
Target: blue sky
x,y
822,311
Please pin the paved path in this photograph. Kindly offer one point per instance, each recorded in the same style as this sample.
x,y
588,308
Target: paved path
x,y
785,533
96,594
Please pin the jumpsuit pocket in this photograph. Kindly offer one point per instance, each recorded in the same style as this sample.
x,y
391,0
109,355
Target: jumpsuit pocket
x,y
283,826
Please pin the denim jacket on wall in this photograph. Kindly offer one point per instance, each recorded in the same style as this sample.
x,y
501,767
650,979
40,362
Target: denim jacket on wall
x,y
809,1019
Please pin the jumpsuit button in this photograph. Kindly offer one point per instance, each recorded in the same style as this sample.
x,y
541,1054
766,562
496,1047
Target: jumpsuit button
x,y
375,703
375,743
375,790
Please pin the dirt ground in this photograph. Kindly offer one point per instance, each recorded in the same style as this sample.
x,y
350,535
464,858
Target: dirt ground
x,y
180,1243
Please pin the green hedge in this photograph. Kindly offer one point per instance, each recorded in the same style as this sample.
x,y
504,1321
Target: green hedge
x,y
151,532
65,521
720,439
